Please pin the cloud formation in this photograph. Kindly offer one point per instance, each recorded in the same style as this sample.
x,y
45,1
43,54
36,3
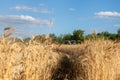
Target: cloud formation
x,y
72,9
116,25
31,9
41,4
107,14
22,20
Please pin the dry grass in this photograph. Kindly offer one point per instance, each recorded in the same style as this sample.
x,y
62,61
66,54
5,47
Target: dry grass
x,y
26,62
92,60
95,60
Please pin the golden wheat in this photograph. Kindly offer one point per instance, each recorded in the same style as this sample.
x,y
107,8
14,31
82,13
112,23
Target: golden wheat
x,y
95,60
92,60
26,62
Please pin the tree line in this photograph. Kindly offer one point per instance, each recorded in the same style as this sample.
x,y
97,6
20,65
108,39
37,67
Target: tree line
x,y
78,36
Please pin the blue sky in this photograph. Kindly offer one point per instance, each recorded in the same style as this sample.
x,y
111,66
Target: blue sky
x,y
33,16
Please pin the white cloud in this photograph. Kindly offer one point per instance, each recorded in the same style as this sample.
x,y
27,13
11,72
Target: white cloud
x,y
32,9
22,20
72,9
107,14
116,25
41,4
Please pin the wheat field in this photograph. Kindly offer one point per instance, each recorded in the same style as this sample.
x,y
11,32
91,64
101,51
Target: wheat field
x,y
95,60
92,60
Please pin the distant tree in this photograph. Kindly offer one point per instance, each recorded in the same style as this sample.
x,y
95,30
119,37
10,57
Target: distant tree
x,y
113,37
59,39
118,31
53,36
107,35
78,35
66,38
118,34
104,34
89,37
